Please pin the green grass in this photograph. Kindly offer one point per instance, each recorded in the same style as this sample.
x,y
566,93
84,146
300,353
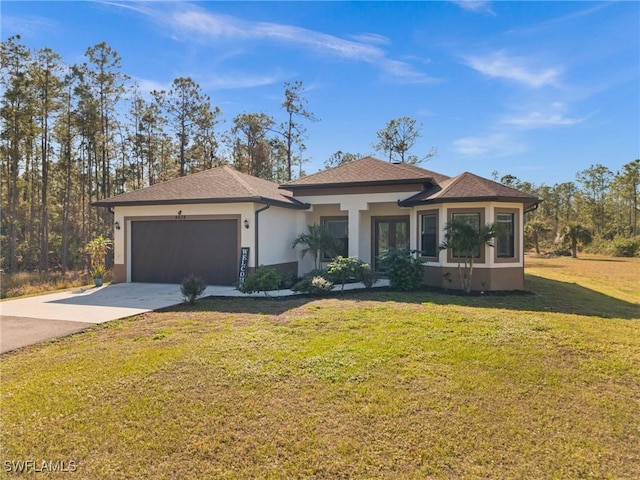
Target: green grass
x,y
371,385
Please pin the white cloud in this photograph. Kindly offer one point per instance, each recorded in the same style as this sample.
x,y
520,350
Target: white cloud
x,y
551,116
475,6
517,69
495,145
240,81
208,27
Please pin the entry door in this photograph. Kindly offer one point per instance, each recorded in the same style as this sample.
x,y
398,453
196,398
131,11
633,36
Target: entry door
x,y
389,233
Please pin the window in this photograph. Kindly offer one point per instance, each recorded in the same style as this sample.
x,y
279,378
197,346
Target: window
x,y
505,242
472,219
339,228
429,235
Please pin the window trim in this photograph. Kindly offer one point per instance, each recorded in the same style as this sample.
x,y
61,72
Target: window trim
x,y
516,236
477,210
436,213
324,257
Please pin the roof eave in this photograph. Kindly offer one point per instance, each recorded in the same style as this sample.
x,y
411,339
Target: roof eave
x,y
410,181
412,203
293,204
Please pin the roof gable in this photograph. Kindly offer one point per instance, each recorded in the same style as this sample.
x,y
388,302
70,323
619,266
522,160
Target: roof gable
x,y
366,171
469,187
217,185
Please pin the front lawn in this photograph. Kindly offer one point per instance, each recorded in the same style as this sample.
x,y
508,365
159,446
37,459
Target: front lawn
x,y
362,385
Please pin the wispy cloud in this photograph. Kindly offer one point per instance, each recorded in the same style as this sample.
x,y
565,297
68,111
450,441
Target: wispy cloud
x,y
475,6
494,145
189,20
517,69
28,25
552,116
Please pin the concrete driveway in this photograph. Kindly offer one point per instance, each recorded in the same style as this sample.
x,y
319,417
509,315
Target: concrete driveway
x,y
26,321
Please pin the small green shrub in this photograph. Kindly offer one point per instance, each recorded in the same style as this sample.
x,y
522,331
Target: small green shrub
x,y
287,279
346,269
191,288
262,280
405,272
315,285
367,276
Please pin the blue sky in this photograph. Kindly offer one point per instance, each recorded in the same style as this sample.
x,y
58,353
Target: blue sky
x,y
539,90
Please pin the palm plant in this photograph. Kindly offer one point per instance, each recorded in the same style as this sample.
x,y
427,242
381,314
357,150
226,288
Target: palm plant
x,y
575,233
535,230
97,249
465,241
318,239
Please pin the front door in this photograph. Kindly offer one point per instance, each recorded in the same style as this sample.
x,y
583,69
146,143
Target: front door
x,y
390,232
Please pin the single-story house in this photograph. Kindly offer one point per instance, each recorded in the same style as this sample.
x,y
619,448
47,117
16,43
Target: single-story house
x,y
202,223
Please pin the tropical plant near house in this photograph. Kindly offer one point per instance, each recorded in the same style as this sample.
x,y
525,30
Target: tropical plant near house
x,y
465,241
575,234
97,250
317,240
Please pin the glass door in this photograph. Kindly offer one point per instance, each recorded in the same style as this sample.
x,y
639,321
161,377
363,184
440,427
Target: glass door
x,y
389,233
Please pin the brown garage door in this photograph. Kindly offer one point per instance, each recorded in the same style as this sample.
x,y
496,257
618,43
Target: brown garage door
x,y
167,251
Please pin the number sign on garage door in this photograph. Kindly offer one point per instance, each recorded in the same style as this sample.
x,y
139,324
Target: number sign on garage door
x,y
167,251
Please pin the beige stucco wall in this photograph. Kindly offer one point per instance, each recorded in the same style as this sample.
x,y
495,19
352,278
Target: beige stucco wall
x,y
279,227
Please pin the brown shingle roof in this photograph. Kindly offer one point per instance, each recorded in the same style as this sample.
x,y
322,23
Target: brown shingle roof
x,y
217,185
468,187
366,171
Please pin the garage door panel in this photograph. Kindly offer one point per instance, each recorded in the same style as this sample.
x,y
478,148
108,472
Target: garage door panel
x,y
167,251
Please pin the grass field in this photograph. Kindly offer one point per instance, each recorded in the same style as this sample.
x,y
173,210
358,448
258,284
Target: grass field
x,y
369,385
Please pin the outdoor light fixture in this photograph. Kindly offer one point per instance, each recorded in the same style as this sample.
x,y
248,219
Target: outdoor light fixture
x,y
179,213
117,225
246,223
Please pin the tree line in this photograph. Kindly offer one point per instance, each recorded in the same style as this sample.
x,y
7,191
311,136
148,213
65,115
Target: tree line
x,y
600,208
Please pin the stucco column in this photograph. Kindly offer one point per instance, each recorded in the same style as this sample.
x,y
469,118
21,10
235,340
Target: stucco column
x,y
354,209
354,233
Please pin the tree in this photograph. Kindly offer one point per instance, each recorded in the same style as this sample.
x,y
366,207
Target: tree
x,y
340,158
189,113
17,111
625,185
292,131
318,239
535,230
48,91
251,147
398,137
465,241
575,234
596,181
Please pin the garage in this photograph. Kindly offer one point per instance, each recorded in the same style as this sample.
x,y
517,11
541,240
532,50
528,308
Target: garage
x,y
167,251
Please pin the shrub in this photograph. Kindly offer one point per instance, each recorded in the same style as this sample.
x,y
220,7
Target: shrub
x,y
316,285
262,280
287,279
404,271
191,288
367,276
625,246
344,269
